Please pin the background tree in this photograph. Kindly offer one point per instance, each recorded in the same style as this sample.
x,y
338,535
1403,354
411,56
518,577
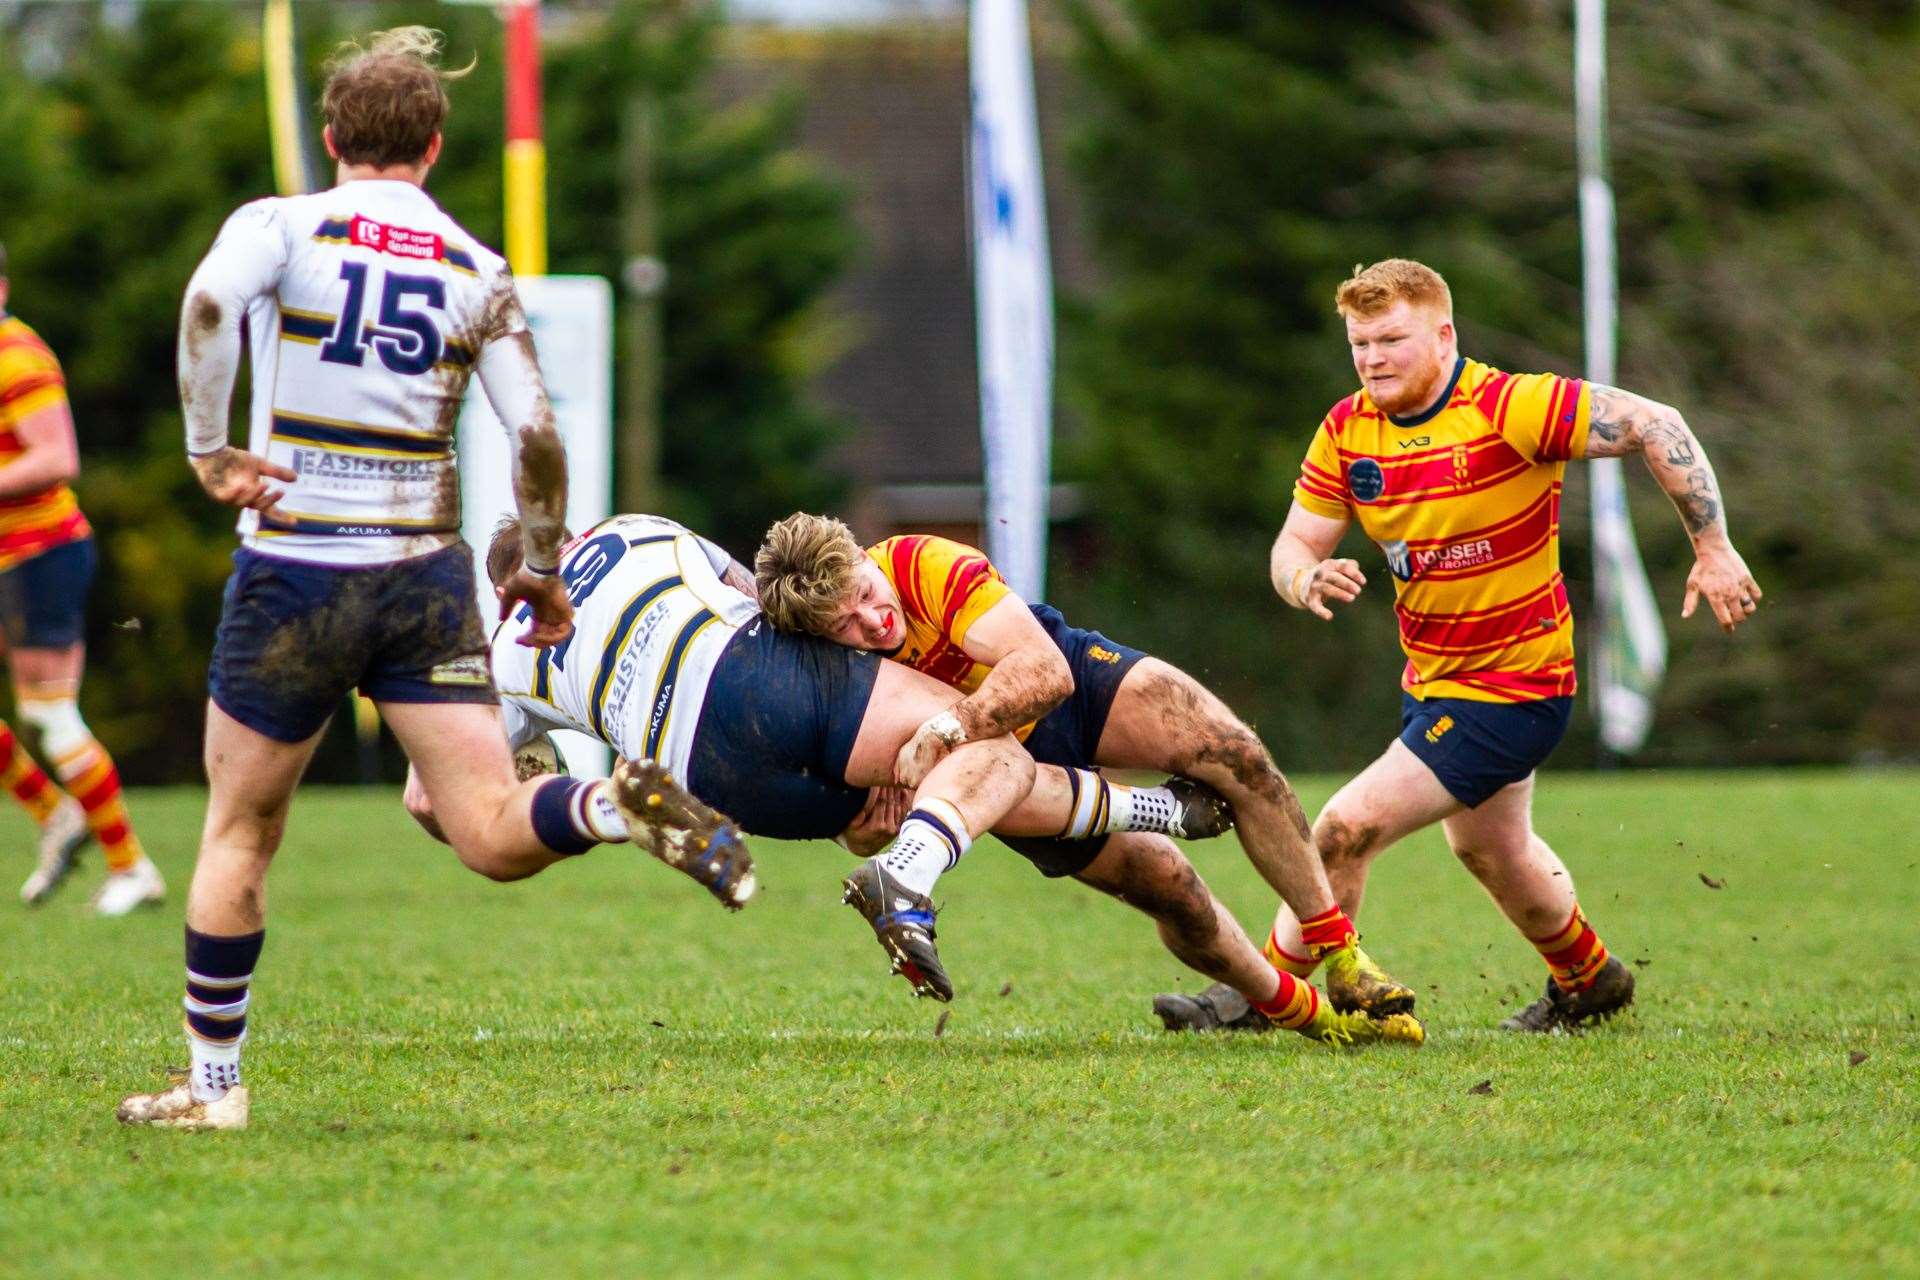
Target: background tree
x,y
1237,164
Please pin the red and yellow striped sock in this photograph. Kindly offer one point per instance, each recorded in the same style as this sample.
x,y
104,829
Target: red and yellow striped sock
x,y
27,780
1285,961
1328,931
1575,953
89,775
1294,1004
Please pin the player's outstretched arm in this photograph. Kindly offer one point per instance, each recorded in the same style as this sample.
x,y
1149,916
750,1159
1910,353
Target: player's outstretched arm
x,y
1030,677
1623,423
244,263
1301,568
510,374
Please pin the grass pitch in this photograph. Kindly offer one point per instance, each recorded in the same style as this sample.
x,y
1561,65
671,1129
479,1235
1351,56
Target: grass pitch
x,y
599,1072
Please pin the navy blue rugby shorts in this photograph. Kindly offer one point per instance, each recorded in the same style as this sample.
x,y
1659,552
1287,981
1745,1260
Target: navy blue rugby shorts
x,y
1476,748
43,600
1069,735
295,637
777,728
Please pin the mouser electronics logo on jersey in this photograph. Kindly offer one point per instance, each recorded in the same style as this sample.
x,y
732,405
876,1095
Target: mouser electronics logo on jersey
x,y
1366,480
1408,564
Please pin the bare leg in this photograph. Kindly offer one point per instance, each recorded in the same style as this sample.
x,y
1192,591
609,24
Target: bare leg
x,y
1149,872
1520,873
1163,718
460,759
1392,798
250,779
983,780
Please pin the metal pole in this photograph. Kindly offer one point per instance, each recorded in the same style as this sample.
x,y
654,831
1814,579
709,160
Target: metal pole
x,y
643,279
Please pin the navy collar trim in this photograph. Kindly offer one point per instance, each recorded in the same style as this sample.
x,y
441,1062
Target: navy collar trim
x,y
1427,414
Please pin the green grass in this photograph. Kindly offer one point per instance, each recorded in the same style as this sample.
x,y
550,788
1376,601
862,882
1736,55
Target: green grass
x,y
599,1072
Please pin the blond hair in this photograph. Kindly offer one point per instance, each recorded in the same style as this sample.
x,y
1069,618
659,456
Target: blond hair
x,y
805,571
385,102
1371,290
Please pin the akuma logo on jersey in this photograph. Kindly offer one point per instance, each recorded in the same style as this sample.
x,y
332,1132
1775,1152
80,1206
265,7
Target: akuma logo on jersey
x,y
1408,564
1366,481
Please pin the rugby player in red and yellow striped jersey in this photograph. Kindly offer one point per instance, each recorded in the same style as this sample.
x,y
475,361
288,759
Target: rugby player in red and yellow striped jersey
x,y
1453,468
46,566
1080,700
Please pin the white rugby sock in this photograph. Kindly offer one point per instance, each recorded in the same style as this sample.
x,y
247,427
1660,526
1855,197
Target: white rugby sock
x,y
929,845
216,1069
598,815
1102,807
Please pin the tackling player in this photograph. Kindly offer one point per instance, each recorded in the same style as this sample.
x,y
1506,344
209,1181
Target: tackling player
x,y
673,664
1454,469
1078,699
46,566
367,309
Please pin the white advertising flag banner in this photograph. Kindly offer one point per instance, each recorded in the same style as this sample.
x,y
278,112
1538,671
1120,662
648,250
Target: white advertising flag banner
x,y
1013,293
1629,643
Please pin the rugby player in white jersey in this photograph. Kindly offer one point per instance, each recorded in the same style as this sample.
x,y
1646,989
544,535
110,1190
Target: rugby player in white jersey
x,y
366,308
672,662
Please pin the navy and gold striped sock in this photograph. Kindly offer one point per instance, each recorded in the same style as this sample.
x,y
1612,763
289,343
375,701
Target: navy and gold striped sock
x,y
219,975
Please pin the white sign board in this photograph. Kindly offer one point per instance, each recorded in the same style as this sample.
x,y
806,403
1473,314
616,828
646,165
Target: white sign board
x,y
572,322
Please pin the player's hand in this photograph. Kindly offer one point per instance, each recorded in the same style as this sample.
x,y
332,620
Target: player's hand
x,y
239,479
546,594
879,820
925,749
1721,576
1327,583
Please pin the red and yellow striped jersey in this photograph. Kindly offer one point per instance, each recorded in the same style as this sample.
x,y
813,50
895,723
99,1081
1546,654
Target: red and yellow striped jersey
x,y
944,586
30,380
1465,501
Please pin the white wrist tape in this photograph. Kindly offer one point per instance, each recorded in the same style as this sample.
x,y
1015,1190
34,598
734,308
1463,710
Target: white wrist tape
x,y
946,727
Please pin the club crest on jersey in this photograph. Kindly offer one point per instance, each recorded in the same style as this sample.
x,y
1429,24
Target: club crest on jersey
x,y
1366,481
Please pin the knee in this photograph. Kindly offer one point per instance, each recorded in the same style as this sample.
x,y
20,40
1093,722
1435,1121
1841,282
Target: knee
x,y
1344,840
57,720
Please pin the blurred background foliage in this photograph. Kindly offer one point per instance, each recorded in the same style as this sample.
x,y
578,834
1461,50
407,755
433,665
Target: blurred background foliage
x,y
1236,160
1231,162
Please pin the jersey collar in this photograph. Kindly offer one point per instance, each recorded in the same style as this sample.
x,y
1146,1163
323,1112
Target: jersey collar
x,y
1427,414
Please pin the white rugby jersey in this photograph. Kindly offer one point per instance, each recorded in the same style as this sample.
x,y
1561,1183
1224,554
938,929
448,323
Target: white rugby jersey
x,y
366,308
651,617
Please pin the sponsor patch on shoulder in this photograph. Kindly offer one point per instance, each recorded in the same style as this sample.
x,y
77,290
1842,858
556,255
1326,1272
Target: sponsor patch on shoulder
x,y
469,670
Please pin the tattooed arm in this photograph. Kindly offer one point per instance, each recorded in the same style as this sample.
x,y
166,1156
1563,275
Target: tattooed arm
x,y
1624,423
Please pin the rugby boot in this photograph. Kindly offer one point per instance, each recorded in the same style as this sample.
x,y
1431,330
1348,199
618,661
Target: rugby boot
x,y
1344,1030
176,1108
139,885
1355,983
62,837
1203,813
903,921
1218,1008
1610,991
683,832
